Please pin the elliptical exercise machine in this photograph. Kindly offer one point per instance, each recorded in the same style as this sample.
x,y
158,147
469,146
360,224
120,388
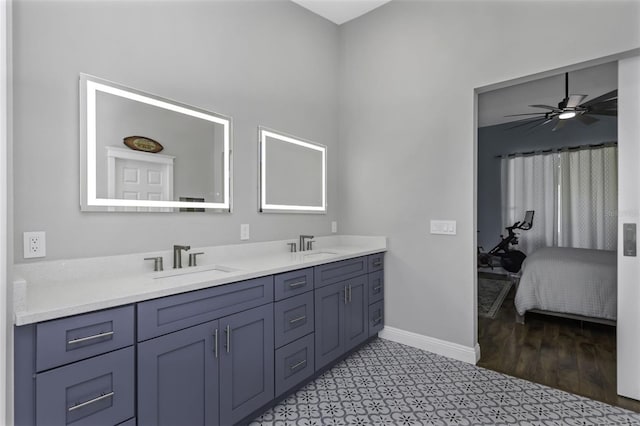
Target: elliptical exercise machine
x,y
510,260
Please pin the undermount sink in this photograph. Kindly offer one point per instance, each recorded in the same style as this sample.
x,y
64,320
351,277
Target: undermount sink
x,y
318,255
208,270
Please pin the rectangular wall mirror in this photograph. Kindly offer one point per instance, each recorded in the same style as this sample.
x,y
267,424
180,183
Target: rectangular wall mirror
x,y
292,174
144,153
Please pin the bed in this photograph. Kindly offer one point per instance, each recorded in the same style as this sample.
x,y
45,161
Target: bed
x,y
569,282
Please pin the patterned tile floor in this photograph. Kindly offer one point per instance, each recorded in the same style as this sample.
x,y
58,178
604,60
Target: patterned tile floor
x,y
386,383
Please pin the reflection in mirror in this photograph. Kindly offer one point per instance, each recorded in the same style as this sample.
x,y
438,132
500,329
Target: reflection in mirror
x,y
292,174
140,152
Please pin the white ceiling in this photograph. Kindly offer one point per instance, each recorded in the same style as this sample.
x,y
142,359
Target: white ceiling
x,y
340,11
593,81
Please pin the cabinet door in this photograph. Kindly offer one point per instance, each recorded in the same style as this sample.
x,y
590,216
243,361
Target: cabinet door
x,y
356,314
178,378
246,363
329,319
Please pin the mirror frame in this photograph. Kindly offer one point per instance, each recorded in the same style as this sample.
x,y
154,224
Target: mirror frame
x,y
264,207
89,86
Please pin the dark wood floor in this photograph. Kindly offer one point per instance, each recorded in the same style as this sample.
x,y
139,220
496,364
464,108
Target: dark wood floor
x,y
574,356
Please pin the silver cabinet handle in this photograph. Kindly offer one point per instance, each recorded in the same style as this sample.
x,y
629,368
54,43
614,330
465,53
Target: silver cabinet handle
x,y
377,262
377,320
299,364
295,320
91,401
95,336
376,288
350,294
297,284
215,342
227,331
345,295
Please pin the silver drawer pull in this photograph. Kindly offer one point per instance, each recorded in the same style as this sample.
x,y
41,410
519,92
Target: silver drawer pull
x,y
227,331
376,288
295,320
377,263
95,336
91,401
377,320
297,284
299,364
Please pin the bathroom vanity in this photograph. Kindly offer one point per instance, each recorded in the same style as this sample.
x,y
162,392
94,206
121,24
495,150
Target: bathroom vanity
x,y
196,351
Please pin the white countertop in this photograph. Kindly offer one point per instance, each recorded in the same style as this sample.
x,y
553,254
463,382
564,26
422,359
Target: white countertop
x,y
54,289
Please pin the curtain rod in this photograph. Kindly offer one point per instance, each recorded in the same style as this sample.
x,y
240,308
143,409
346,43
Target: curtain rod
x,y
564,148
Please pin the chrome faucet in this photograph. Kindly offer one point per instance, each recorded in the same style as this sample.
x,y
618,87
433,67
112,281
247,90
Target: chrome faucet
x,y
303,246
177,255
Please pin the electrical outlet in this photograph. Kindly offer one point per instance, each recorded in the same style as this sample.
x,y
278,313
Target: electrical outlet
x,y
334,226
35,244
244,231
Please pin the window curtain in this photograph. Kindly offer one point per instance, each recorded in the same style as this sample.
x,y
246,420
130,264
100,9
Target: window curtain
x,y
589,198
528,183
574,194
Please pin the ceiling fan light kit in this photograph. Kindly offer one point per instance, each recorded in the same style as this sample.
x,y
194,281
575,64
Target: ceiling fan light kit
x,y
570,107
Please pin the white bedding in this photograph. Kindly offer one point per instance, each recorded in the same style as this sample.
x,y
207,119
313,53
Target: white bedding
x,y
569,280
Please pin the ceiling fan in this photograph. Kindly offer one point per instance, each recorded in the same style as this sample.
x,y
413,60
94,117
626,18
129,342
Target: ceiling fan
x,y
569,108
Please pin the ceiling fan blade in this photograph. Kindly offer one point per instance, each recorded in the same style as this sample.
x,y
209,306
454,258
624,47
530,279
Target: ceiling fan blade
x,y
585,119
559,125
545,106
529,113
549,120
574,100
607,96
524,122
610,104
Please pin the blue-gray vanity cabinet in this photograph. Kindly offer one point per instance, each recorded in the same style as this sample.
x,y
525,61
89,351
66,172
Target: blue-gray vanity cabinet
x,y
293,318
334,272
376,317
178,377
341,314
375,262
376,286
294,363
70,339
95,391
246,363
167,314
293,283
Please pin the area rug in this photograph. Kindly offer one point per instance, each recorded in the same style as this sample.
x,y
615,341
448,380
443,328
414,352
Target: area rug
x,y
491,294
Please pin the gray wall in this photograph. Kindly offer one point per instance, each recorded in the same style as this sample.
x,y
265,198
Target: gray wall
x,y
407,154
268,63
499,140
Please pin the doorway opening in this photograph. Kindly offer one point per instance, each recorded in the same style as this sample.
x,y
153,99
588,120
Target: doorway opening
x,y
537,162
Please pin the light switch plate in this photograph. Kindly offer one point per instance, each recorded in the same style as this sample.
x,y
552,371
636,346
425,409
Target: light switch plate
x,y
244,231
629,236
443,227
334,226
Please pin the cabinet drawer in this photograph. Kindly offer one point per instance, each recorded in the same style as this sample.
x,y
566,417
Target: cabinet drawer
x,y
376,317
293,283
71,339
339,271
172,313
293,318
376,286
96,391
376,262
294,363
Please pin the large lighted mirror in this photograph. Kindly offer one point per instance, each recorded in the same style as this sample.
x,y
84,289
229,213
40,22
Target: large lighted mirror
x,y
141,152
292,174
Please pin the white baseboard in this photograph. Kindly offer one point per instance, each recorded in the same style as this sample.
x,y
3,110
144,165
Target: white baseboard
x,y
431,344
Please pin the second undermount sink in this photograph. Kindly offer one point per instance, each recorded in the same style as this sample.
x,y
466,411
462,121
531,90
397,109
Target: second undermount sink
x,y
209,271
318,255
